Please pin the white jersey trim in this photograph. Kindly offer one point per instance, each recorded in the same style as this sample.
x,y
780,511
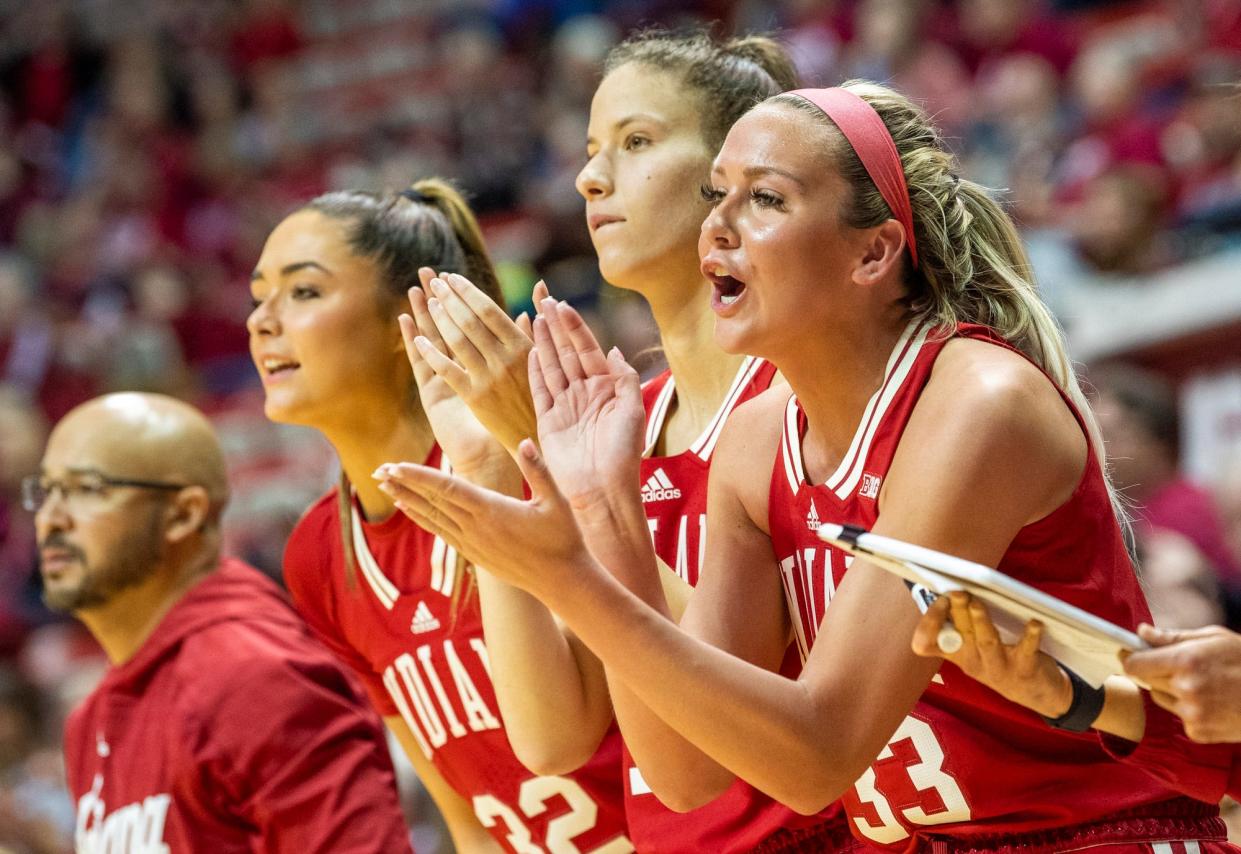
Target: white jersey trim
x,y
704,445
443,560
385,591
849,472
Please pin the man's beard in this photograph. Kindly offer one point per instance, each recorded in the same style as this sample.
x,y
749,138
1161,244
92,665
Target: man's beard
x,y
128,563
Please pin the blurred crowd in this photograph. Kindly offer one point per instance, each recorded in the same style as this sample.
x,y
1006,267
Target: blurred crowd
x,y
147,147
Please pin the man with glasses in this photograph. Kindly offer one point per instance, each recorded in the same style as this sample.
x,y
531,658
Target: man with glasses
x,y
221,725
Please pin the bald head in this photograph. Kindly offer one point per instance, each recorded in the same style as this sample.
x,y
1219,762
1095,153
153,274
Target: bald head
x,y
143,437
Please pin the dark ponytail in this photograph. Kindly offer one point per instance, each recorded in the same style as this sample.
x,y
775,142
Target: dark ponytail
x,y
427,225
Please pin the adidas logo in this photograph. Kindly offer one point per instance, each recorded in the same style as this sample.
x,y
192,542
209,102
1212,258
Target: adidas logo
x,y
424,620
812,518
659,488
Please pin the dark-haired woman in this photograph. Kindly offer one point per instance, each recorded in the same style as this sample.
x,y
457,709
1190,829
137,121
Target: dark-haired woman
x,y
391,600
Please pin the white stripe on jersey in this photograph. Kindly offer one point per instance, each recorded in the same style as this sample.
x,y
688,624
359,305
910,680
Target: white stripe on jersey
x,y
705,444
655,421
845,479
707,441
791,445
893,385
385,591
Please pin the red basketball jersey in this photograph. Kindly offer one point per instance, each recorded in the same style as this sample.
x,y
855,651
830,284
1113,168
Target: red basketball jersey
x,y
967,768
396,629
674,493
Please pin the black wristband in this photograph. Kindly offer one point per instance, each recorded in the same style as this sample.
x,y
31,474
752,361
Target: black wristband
x,y
1085,707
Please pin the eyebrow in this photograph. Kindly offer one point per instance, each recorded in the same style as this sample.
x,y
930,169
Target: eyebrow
x,y
296,266
759,171
630,119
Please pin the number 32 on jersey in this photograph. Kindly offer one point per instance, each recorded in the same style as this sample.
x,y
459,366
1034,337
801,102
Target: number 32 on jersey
x,y
533,800
910,771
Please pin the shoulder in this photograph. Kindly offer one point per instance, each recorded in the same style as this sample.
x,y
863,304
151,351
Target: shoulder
x,y
746,454
311,545
990,422
996,392
754,426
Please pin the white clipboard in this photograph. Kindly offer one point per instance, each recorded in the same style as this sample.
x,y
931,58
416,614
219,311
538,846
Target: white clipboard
x,y
1088,645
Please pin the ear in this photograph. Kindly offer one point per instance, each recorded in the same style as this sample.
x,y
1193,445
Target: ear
x,y
882,253
187,514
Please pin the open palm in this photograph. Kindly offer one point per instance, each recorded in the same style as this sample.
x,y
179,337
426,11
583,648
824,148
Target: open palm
x,y
589,408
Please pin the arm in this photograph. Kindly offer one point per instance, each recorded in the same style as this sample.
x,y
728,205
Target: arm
x,y
468,836
743,614
309,770
543,676
1007,454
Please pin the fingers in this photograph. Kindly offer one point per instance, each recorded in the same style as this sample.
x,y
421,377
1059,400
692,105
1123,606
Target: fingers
x,y
423,372
523,324
491,316
961,617
422,317
628,383
1152,666
534,470
540,293
593,361
990,647
538,385
452,323
553,377
1025,655
457,498
425,275
1164,637
423,512
925,641
566,352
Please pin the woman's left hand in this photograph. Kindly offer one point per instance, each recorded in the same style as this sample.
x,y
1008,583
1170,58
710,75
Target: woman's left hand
x,y
533,544
1018,672
477,351
466,442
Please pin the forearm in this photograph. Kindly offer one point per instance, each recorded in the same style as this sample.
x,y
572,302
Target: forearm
x,y
691,687
680,774
550,688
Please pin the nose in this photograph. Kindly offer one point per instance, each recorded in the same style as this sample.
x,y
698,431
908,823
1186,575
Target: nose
x,y
262,320
717,230
595,179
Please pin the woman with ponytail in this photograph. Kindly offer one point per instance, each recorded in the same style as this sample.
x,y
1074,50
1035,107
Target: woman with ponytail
x,y
391,600
930,400
659,115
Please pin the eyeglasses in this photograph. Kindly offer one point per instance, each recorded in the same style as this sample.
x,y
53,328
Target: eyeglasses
x,y
82,487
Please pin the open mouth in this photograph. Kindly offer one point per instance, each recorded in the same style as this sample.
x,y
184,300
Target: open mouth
x,y
727,289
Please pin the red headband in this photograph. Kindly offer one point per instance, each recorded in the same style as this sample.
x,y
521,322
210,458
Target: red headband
x,y
873,144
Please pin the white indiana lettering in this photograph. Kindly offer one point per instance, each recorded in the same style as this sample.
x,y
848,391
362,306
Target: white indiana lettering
x,y
426,711
136,828
685,535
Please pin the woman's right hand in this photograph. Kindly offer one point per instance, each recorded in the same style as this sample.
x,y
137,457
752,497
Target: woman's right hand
x,y
589,410
1018,672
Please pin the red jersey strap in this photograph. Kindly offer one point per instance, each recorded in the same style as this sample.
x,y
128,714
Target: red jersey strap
x,y
659,393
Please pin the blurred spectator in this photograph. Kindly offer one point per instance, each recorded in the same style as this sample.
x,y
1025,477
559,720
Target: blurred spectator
x,y
1116,227
36,814
1137,414
22,433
